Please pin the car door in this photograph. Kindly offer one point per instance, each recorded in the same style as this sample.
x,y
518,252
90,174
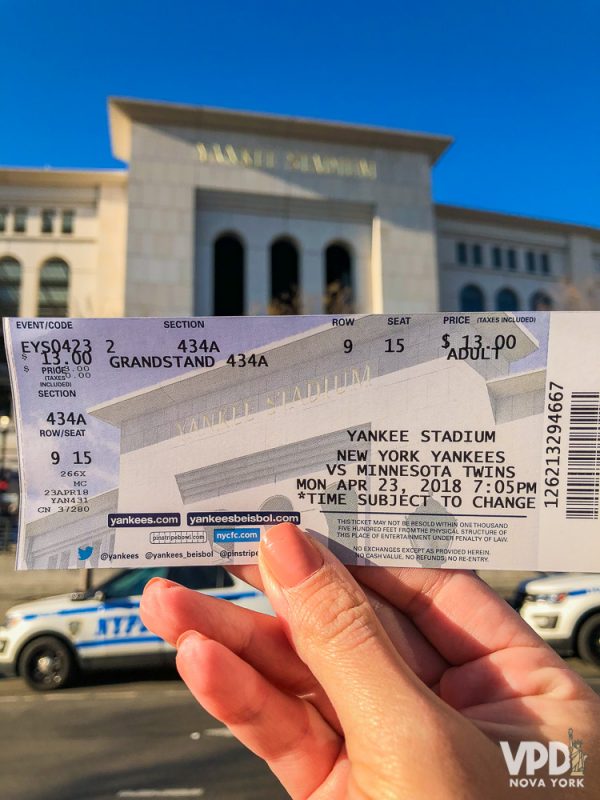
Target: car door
x,y
214,581
120,635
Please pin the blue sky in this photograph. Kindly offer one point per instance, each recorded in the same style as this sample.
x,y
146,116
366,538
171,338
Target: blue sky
x,y
517,83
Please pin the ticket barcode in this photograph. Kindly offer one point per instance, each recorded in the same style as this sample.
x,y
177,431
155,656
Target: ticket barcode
x,y
583,462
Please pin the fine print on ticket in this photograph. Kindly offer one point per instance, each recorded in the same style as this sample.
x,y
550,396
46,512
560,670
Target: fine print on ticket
x,y
433,440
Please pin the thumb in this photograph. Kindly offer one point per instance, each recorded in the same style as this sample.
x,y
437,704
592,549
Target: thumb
x,y
338,635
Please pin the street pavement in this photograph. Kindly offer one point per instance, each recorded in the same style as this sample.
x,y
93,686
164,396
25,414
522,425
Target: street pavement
x,y
129,735
138,738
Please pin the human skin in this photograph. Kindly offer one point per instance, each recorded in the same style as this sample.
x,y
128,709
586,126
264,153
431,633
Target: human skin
x,y
374,682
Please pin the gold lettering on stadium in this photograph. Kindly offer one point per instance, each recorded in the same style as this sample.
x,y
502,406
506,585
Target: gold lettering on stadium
x,y
304,392
293,160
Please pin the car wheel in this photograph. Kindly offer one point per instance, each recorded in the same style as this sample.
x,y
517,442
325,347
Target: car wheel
x,y
588,640
47,664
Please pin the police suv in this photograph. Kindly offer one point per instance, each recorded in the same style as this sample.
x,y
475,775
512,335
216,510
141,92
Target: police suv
x,y
565,610
48,641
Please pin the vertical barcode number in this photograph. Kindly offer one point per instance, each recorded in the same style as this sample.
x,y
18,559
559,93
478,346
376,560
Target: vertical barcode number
x,y
583,462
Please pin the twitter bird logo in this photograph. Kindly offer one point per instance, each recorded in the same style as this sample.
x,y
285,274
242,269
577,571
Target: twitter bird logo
x,y
85,552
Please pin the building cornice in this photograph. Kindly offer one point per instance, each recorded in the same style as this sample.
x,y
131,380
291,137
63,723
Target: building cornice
x,y
24,176
124,111
452,213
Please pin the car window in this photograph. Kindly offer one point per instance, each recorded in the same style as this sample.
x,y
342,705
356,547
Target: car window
x,y
201,577
131,582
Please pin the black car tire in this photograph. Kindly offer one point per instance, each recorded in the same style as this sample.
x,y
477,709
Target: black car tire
x,y
47,664
588,640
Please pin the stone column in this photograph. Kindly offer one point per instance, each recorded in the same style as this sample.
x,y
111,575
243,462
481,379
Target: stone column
x,y
258,291
409,266
203,282
312,281
29,290
374,291
577,290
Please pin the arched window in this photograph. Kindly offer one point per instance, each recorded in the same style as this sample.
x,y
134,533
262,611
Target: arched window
x,y
507,300
10,289
339,295
53,298
471,298
229,276
540,301
285,291
10,286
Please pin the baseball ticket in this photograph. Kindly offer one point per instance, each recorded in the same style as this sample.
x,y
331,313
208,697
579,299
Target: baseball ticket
x,y
434,440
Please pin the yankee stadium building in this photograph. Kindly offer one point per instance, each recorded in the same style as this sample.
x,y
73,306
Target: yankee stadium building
x,y
226,212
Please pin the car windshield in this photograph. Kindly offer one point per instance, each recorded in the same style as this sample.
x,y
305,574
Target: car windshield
x,y
131,582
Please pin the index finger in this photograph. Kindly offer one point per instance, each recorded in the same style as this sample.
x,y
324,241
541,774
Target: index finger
x,y
249,573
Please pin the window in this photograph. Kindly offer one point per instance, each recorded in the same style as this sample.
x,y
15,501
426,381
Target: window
x,y
229,276
53,299
507,300
338,280
20,225
285,294
461,253
6,408
530,260
68,222
497,257
3,217
201,577
512,259
477,255
131,582
471,298
10,286
545,263
540,301
47,220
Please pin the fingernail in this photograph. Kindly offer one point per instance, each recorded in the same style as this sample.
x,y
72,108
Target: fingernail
x,y
289,555
161,583
188,635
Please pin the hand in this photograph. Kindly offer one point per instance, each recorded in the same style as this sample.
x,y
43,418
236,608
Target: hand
x,y
394,683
